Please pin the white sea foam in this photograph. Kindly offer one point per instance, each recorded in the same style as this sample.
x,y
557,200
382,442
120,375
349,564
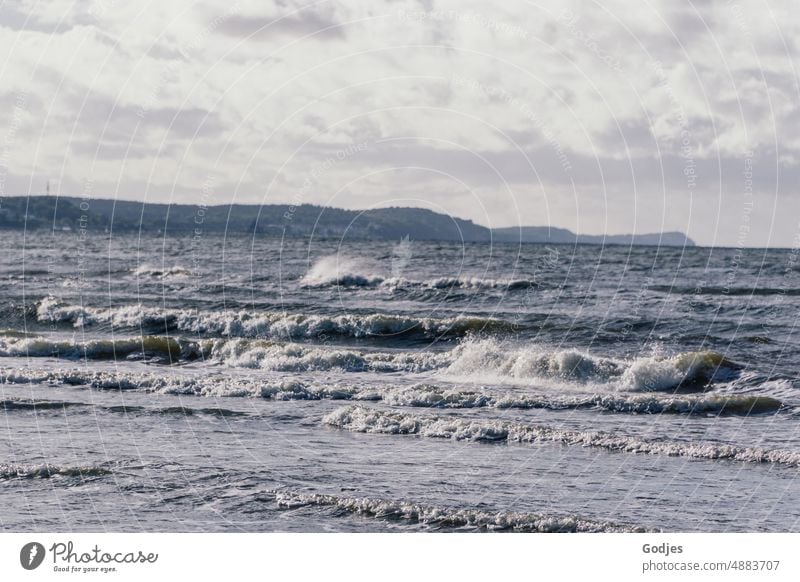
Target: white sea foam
x,y
51,310
420,395
100,349
292,357
186,384
664,373
337,270
473,360
358,418
266,324
432,396
289,357
450,517
470,283
239,353
493,360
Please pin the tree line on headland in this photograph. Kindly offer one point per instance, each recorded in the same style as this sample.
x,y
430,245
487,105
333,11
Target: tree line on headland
x,y
67,214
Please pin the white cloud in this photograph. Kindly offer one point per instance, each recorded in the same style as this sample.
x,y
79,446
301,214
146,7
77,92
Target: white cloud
x,y
583,115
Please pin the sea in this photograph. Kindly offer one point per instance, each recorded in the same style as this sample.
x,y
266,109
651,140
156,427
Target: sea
x,y
209,383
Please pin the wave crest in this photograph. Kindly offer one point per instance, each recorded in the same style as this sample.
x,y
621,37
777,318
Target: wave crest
x,y
416,396
338,271
496,360
430,396
45,471
268,324
168,348
450,518
156,272
357,418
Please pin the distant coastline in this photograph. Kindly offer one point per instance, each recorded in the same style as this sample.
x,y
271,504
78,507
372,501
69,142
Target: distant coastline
x,y
69,213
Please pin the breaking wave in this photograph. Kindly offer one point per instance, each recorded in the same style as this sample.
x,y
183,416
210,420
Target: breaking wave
x,y
462,283
358,418
51,310
417,396
156,272
450,518
292,357
188,384
341,271
337,271
9,472
269,324
240,353
101,349
427,396
471,361
494,360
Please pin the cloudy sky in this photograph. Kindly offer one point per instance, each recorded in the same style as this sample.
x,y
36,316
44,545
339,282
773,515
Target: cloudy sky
x,y
596,116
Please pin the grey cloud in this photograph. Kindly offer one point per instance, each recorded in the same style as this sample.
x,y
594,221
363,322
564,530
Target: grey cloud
x,y
648,172
788,84
472,166
302,23
686,24
24,99
104,150
633,134
110,130
161,51
13,16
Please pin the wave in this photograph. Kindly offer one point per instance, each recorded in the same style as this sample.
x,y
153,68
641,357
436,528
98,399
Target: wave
x,y
494,360
15,333
427,396
101,349
337,271
685,370
269,324
462,283
186,385
416,396
102,380
450,518
176,410
472,360
16,404
156,272
292,357
357,418
45,471
240,353
731,291
51,310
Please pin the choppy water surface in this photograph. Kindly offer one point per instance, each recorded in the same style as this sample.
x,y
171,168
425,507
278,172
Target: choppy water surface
x,y
156,383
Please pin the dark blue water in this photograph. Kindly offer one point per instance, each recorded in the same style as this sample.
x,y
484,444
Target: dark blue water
x,y
155,383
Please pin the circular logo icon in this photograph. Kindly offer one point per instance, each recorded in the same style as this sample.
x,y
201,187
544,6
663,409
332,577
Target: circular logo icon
x,y
31,555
